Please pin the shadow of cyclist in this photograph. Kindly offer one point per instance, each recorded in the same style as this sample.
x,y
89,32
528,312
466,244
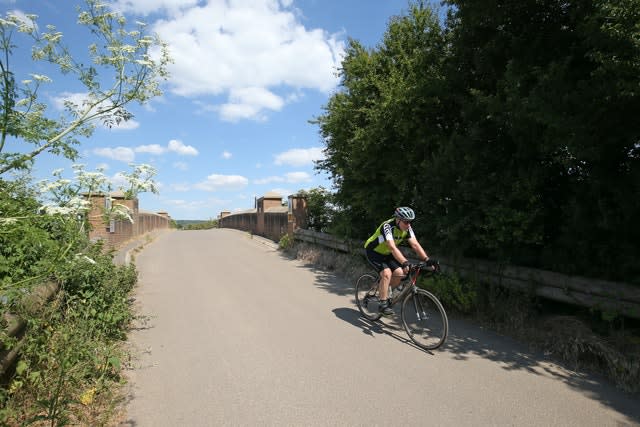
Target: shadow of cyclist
x,y
382,326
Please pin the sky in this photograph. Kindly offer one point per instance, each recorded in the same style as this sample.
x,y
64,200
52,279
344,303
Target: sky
x,y
233,122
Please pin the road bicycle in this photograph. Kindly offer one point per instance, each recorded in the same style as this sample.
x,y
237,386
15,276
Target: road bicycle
x,y
423,316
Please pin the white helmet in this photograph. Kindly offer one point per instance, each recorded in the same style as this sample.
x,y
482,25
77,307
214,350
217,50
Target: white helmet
x,y
404,213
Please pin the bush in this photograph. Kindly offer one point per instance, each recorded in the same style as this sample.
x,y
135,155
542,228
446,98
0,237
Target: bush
x,y
286,242
71,353
454,293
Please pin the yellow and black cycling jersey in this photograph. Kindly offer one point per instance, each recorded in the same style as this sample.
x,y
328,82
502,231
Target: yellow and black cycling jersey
x,y
388,230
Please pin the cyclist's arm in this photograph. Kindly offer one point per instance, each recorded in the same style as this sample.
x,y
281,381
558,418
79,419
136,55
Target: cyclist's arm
x,y
417,248
387,232
397,254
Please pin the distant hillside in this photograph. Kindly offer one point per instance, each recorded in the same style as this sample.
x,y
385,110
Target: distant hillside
x,y
196,224
183,222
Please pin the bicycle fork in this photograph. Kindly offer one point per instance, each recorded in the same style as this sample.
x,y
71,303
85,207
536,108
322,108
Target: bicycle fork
x,y
421,313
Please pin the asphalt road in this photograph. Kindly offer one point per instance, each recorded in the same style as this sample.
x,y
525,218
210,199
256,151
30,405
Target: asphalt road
x,y
238,334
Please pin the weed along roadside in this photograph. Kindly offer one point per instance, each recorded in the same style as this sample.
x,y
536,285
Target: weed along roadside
x,y
16,326
42,294
579,337
63,344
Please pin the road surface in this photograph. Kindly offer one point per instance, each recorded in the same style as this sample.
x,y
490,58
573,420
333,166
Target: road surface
x,y
239,335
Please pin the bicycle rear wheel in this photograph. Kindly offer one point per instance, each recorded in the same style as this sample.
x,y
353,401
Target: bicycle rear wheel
x,y
424,319
367,296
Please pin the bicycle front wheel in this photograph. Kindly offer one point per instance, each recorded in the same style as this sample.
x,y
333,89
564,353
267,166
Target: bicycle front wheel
x,y
424,319
367,296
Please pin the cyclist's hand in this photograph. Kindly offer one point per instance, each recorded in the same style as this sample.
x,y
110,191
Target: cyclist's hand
x,y
434,264
405,267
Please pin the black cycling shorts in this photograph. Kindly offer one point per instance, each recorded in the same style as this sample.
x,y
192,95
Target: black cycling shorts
x,y
380,262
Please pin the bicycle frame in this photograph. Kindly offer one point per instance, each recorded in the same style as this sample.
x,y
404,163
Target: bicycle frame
x,y
411,278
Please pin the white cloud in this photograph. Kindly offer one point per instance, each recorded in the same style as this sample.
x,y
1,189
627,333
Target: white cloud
x,y
119,181
292,177
180,148
216,182
238,47
181,188
299,156
295,177
145,7
126,154
249,103
123,154
181,166
269,180
226,155
152,149
77,98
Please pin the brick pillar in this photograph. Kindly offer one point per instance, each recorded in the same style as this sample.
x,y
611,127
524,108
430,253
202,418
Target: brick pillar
x,y
297,216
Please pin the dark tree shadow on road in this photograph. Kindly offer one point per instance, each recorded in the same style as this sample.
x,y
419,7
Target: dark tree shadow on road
x,y
467,340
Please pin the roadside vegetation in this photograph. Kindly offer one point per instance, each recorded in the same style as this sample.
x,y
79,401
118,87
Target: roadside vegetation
x,y
510,127
70,349
62,293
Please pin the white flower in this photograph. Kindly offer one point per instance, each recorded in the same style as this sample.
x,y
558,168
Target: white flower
x,y
8,221
79,204
41,78
51,209
85,258
122,212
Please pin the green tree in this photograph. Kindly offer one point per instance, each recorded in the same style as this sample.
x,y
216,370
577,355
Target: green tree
x,y
123,55
386,121
512,130
547,137
320,210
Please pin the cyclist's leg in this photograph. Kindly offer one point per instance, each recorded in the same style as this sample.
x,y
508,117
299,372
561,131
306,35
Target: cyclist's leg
x,y
397,273
381,264
385,280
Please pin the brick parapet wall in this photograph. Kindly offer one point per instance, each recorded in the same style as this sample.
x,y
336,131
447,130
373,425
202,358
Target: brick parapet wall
x,y
117,232
273,224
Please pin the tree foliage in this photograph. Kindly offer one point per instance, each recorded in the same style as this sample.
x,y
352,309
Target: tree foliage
x,y
374,152
133,61
319,208
511,127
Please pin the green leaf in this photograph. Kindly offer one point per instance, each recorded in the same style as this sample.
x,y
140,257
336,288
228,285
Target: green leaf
x,y
21,367
115,362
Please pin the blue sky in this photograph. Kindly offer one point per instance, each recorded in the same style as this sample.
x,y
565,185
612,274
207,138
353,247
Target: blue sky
x,y
233,123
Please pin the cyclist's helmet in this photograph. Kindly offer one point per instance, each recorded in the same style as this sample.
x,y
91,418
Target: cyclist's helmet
x,y
404,213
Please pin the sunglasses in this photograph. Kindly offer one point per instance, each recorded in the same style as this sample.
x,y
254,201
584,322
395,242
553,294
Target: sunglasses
x,y
405,221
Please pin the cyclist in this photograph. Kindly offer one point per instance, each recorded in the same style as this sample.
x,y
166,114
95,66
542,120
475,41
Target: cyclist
x,y
383,253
